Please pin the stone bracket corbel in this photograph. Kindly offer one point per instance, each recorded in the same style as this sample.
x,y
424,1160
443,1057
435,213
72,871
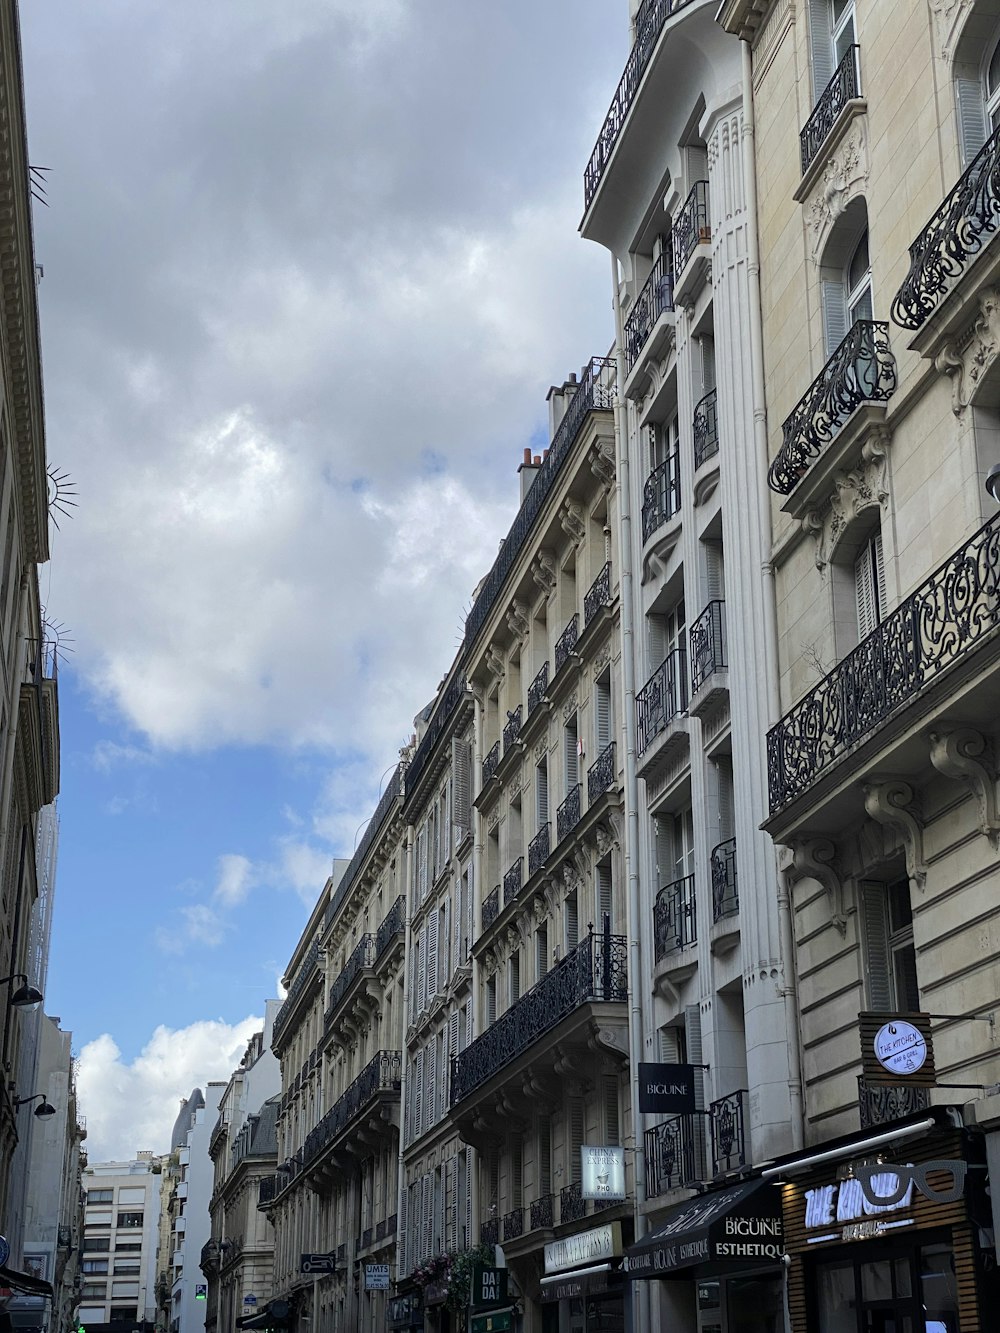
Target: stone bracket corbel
x,y
815,858
963,754
892,802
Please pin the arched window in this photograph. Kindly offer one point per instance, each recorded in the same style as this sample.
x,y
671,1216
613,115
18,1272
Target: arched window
x,y
846,276
977,95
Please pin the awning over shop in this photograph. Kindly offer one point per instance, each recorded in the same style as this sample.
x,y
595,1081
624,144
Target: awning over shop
x,y
740,1226
34,1286
276,1314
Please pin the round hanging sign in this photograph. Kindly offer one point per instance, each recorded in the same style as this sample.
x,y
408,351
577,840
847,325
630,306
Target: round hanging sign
x,y
900,1047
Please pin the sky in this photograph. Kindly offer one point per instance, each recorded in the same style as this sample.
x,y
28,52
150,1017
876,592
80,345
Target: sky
x,y
309,269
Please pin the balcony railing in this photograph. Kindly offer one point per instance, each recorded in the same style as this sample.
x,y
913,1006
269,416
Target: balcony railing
x,y
598,595
538,850
362,957
706,428
594,971
675,1154
727,1124
572,1205
568,814
489,1232
513,1224
491,908
861,370
707,644
537,688
601,774
655,298
512,730
662,697
649,21
299,982
845,85
961,227
691,226
725,889
880,1106
491,762
596,392
542,1212
382,1074
941,622
675,923
513,881
266,1189
567,642
661,495
392,926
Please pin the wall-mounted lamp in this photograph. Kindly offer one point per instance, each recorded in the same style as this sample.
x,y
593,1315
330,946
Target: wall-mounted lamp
x,y
43,1111
25,997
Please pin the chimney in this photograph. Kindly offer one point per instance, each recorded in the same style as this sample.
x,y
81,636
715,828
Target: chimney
x,y
527,472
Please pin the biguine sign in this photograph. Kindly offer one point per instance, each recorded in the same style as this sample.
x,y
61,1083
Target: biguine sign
x,y
666,1088
742,1224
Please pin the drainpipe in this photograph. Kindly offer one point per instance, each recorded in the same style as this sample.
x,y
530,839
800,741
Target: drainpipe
x,y
640,1290
790,986
407,945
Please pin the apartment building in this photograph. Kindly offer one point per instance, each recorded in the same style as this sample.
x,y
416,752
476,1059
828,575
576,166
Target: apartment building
x,y
118,1253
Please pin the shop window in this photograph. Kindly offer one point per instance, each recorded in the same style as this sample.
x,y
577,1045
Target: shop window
x,y
890,958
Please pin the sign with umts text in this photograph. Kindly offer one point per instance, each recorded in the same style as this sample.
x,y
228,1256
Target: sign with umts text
x,y
376,1277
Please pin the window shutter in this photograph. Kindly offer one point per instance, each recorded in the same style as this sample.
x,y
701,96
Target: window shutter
x,y
570,917
468,1196
715,580
821,45
461,767
451,1205
879,564
515,976
575,1139
461,914
973,130
707,364
544,1157
877,962
865,591
541,951
446,963
430,1087
469,1027
441,1084
422,863
834,301
470,907
422,982
669,1052
602,715
516,1173
664,852
657,641
542,794
570,755
612,1121
491,1000
418,1095
453,1046
726,816
426,1213
605,900
404,1204
692,1032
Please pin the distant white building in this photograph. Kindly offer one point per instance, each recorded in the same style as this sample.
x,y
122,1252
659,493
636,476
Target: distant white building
x,y
118,1255
192,1224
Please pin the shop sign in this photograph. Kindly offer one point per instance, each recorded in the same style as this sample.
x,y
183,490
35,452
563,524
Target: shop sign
x,y
405,1311
589,1247
742,1223
666,1088
376,1277
871,1191
497,1321
603,1172
897,1049
489,1286
570,1289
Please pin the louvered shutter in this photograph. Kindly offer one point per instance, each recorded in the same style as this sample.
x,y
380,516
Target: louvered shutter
x,y
612,1119
877,962
570,760
461,914
470,907
726,815
542,794
821,45
571,919
422,863
454,1030
657,641
714,577
427,1214
602,715
422,969
451,1203
576,1131
469,1025
418,1095
605,898
544,1157
669,1051
446,961
491,1000
541,951
411,1102
516,1174
879,563
401,1239
467,1157
430,1087
664,851
692,1032
707,364
835,319
866,588
973,131
515,976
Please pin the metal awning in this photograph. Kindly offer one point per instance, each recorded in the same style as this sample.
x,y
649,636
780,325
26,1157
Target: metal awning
x,y
276,1314
27,1282
736,1227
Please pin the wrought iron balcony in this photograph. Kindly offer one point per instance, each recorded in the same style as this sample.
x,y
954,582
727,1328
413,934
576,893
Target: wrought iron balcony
x,y
266,1189
649,20
662,697
572,1206
691,226
567,642
880,1106
512,730
707,644
727,1125
513,1224
861,370
959,230
594,971
538,688
940,623
381,1074
725,891
675,1154
661,495
393,925
362,957
596,392
568,814
513,881
542,1212
299,982
601,774
489,1232
538,850
598,595
675,922
490,763
842,88
491,908
706,428
655,298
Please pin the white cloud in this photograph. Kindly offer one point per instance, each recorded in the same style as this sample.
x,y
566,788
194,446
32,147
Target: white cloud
x,y
235,880
132,1106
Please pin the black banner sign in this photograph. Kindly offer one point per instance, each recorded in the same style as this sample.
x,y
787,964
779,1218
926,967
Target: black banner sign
x,y
667,1088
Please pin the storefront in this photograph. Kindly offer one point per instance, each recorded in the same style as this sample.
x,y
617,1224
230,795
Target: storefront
x,y
583,1289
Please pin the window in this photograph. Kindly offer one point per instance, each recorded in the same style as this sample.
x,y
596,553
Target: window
x,y
832,31
128,1247
100,1196
130,1219
858,282
571,754
514,975
541,951
491,999
674,835
571,921
847,277
664,443
869,586
665,634
126,1266
890,958
977,94
602,714
98,1244
542,794
94,1265
605,897
93,1292
126,1313
131,1195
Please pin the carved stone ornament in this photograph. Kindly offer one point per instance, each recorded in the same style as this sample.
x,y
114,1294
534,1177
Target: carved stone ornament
x,y
855,490
602,461
964,755
538,753
967,359
608,838
569,707
493,823
518,620
572,521
815,858
543,571
844,176
892,802
571,877
495,663
949,19
602,657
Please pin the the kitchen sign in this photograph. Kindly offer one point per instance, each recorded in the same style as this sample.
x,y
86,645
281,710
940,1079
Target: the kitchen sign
x,y
666,1089
849,1205
603,1171
897,1049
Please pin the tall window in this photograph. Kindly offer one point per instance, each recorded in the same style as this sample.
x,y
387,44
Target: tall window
x,y
869,586
858,282
833,33
665,633
847,281
542,794
890,958
602,714
674,846
571,764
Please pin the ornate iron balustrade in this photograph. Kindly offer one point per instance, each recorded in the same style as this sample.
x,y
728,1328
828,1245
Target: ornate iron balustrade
x,y
512,729
362,957
601,774
567,642
661,495
568,814
513,1224
861,370
675,1153
489,1232
537,688
727,1124
649,20
572,1206
941,622
596,392
491,907
542,1212
880,1106
675,921
453,696
598,595
393,925
513,881
490,763
381,1074
266,1189
538,850
960,228
706,428
299,982
662,697
691,226
592,972
725,888
707,644
842,88
654,299
387,800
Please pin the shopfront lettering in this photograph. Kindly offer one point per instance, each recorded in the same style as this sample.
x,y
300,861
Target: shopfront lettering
x,y
847,1201
753,1226
588,1247
748,1250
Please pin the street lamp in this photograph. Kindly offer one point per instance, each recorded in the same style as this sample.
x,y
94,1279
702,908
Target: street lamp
x,y
25,997
44,1111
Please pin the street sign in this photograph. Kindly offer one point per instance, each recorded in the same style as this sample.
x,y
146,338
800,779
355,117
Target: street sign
x,y
201,1291
318,1263
489,1286
376,1277
497,1321
250,1299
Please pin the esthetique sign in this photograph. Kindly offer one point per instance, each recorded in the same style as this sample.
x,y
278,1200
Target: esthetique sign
x,y
603,1172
